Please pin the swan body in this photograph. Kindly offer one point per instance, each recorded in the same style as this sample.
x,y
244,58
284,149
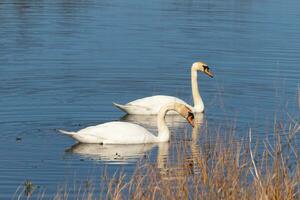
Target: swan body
x,y
113,133
152,105
149,105
129,133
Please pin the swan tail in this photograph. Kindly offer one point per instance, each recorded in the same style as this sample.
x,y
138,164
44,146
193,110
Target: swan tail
x,y
67,132
121,107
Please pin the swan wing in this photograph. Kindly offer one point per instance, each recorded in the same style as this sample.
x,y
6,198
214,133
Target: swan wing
x,y
149,105
117,133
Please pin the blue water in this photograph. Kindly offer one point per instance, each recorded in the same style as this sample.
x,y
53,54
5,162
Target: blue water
x,y
62,64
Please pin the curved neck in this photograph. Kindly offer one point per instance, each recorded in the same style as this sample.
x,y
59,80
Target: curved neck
x,y
198,103
163,130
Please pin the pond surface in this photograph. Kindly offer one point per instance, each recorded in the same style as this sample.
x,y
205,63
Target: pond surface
x,y
63,63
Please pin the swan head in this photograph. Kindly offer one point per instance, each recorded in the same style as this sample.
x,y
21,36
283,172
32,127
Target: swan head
x,y
203,67
180,108
185,112
190,118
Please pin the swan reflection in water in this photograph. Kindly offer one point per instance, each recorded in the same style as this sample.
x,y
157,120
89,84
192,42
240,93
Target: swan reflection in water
x,y
179,165
114,154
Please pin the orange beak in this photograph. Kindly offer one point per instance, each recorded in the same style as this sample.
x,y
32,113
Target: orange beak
x,y
209,73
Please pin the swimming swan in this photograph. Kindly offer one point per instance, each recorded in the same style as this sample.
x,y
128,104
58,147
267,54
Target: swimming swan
x,y
129,133
151,105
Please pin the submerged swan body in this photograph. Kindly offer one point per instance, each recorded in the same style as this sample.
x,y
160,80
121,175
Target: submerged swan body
x,y
152,105
129,133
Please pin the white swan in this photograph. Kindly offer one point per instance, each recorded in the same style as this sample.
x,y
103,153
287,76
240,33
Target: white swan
x,y
151,105
128,133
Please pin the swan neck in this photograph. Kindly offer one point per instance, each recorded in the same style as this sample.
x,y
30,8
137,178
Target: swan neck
x,y
163,130
198,103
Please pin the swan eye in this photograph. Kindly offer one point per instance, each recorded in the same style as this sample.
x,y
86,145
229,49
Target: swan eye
x,y
206,68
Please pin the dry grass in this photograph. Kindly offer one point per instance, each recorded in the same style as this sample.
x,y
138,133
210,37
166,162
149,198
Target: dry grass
x,y
220,171
216,169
